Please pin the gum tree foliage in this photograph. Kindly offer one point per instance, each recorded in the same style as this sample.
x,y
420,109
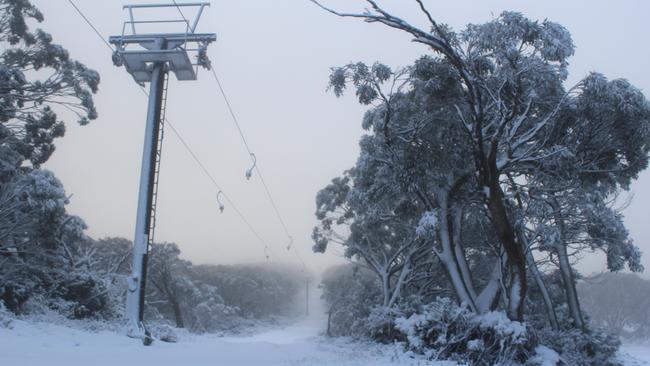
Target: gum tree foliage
x,y
603,137
403,165
483,132
379,219
39,244
37,237
37,77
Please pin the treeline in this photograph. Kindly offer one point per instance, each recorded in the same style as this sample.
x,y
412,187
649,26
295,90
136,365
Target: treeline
x,y
88,279
481,180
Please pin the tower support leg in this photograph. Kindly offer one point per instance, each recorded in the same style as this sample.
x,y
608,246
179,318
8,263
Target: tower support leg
x,y
138,277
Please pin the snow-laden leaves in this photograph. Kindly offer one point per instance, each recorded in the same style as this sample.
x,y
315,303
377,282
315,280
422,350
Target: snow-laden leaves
x,y
38,80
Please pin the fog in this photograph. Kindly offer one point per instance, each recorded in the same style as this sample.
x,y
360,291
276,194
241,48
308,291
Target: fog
x,y
273,58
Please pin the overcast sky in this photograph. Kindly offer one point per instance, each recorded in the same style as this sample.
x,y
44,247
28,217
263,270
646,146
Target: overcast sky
x,y
273,58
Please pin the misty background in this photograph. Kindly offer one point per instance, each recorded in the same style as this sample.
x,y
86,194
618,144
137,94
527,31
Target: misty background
x,y
273,58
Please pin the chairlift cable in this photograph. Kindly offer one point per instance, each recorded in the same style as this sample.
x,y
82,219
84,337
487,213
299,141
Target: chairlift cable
x,y
252,156
257,167
181,13
90,24
266,247
216,185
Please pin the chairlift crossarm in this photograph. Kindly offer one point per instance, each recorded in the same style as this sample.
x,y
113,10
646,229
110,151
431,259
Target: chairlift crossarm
x,y
169,37
192,28
137,51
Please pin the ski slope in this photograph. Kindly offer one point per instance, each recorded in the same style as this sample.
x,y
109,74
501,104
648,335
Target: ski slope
x,y
32,343
635,355
38,343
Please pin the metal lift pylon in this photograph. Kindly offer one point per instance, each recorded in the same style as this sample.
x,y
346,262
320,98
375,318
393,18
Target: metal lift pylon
x,y
149,57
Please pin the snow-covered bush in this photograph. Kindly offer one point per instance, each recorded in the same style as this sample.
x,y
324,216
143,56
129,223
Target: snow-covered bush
x,y
14,292
380,324
592,347
6,318
164,332
212,316
86,295
442,330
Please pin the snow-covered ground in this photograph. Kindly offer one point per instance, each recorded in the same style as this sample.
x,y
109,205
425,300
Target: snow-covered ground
x,y
40,343
34,343
635,355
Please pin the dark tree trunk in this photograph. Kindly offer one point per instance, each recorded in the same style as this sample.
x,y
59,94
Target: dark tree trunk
x,y
516,263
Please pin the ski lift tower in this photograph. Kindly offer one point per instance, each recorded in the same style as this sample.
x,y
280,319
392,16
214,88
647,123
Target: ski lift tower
x,y
149,57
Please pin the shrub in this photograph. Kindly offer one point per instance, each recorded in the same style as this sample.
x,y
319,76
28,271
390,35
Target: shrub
x,y
86,295
443,330
13,296
576,347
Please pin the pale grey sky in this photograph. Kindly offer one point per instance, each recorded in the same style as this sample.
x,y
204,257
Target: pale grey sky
x,y
273,58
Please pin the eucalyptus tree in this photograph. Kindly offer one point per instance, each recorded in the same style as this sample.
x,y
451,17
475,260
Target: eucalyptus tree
x,y
38,80
509,72
603,134
38,238
379,221
411,174
507,120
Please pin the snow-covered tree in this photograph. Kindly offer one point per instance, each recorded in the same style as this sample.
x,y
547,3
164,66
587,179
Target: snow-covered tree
x,y
483,132
39,249
37,79
412,171
38,239
380,225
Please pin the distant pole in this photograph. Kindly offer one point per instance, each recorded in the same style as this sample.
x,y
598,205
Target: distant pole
x,y
307,297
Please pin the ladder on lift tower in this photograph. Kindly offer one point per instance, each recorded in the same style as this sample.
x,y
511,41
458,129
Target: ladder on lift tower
x,y
158,157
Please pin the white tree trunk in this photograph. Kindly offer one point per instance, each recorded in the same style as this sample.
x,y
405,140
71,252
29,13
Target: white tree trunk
x,y
447,255
385,288
459,254
514,296
570,286
491,290
565,267
406,269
